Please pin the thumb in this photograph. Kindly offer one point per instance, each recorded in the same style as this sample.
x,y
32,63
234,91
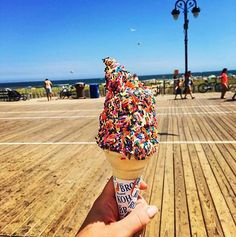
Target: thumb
x,y
137,219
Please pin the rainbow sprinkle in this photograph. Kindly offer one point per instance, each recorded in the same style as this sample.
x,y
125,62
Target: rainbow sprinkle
x,y
128,123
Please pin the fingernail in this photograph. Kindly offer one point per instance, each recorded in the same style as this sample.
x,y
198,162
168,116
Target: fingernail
x,y
152,211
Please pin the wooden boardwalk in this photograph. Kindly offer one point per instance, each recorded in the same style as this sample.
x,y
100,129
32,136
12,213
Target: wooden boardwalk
x,y
51,170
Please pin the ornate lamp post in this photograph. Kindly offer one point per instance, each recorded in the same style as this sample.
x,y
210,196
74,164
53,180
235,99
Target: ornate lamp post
x,y
185,6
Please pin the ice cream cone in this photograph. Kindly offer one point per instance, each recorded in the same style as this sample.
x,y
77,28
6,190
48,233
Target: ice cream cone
x,y
127,169
126,178
128,124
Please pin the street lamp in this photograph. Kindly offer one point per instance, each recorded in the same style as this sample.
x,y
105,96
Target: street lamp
x,y
185,6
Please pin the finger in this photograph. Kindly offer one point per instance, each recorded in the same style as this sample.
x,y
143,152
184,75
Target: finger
x,y
143,185
141,200
137,219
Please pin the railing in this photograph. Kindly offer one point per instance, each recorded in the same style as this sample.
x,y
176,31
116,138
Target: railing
x,y
159,87
167,86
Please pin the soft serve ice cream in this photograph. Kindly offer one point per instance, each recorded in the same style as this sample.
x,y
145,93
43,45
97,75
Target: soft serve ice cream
x,y
127,132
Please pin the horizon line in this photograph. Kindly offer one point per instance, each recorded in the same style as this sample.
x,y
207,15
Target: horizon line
x,y
102,78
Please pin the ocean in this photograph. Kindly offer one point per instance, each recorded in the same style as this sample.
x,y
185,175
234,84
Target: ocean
x,y
25,84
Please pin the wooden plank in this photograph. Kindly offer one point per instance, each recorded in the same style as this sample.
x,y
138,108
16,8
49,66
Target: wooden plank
x,y
211,220
23,168
223,212
167,227
20,199
76,130
214,135
197,223
220,177
69,225
39,188
185,181
61,202
228,126
182,227
218,125
153,229
151,176
168,224
232,149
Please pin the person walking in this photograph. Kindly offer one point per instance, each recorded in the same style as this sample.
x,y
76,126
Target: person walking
x,y
188,85
224,82
48,88
178,90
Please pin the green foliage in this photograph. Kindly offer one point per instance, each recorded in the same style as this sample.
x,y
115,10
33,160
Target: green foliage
x,y
40,91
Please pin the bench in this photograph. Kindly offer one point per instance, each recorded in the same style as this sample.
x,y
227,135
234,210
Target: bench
x,y
11,95
4,95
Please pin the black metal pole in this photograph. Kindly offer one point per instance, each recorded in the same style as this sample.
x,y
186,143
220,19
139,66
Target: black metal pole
x,y
185,5
186,36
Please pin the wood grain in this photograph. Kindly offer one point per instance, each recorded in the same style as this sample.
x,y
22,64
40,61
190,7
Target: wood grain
x,y
47,189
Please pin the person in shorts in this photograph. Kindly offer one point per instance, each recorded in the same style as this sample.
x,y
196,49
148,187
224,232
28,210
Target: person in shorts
x,y
48,88
188,85
178,90
224,82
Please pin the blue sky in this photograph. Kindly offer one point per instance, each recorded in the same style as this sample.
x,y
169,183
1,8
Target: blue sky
x,y
53,38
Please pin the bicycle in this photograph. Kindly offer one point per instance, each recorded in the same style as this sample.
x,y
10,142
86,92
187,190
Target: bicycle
x,y
208,86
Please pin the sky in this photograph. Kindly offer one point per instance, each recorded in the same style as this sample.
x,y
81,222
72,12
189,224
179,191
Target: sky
x,y
66,39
